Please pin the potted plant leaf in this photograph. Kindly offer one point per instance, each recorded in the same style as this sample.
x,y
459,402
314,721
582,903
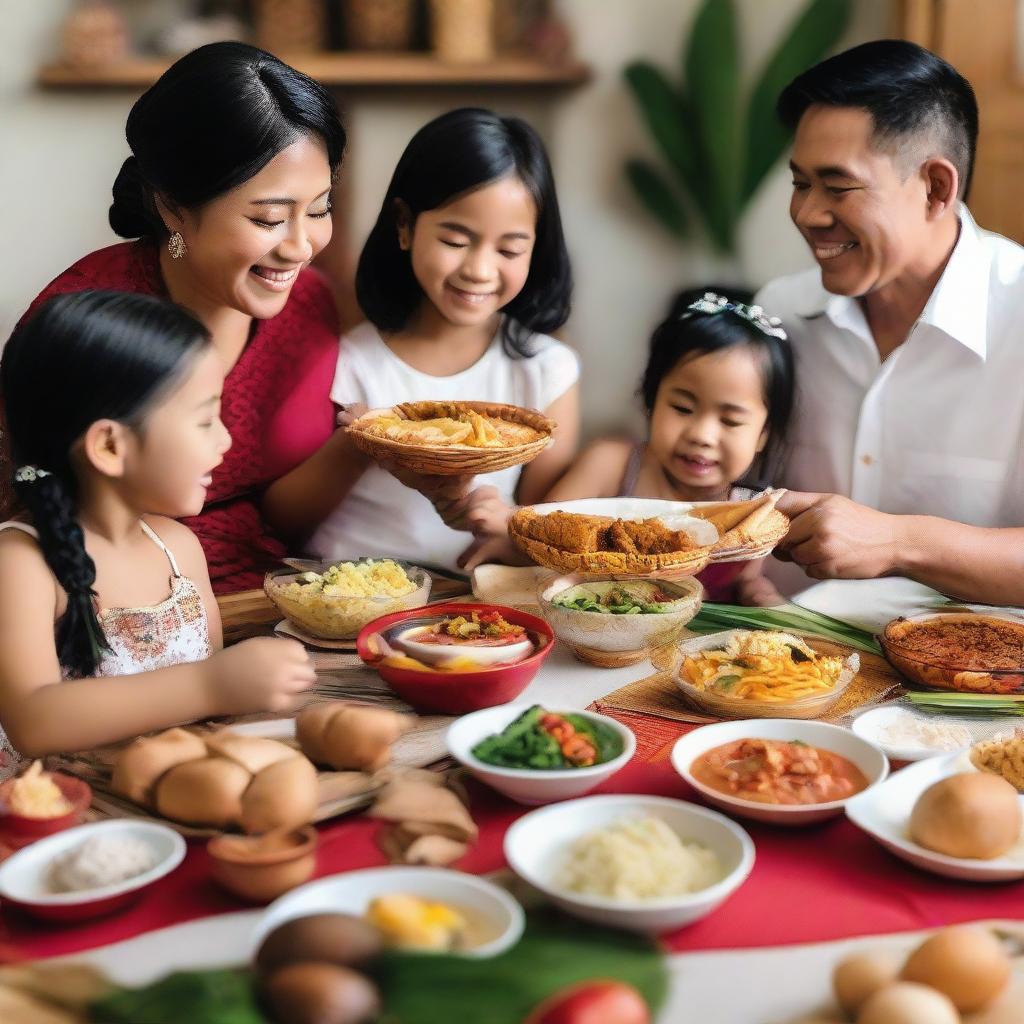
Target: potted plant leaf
x,y
716,143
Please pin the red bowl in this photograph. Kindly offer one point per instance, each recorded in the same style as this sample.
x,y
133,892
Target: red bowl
x,y
455,693
16,830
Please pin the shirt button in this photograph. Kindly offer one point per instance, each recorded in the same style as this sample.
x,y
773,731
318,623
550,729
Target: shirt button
x,y
867,460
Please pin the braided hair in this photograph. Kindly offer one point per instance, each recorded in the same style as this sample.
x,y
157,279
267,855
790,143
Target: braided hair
x,y
83,357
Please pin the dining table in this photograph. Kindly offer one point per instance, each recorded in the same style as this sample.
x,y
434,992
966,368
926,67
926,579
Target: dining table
x,y
814,891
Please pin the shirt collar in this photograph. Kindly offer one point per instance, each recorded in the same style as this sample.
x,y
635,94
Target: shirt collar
x,y
958,306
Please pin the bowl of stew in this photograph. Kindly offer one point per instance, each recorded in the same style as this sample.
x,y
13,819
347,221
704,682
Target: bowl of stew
x,y
782,771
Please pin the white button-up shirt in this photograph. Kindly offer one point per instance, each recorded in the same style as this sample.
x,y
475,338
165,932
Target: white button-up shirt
x,y
938,427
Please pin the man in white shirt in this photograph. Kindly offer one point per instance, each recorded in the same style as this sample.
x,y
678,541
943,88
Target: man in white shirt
x,y
909,337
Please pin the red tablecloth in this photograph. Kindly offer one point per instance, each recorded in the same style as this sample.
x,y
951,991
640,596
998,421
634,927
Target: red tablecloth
x,y
808,884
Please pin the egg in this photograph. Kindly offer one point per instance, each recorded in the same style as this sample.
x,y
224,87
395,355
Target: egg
x,y
905,1002
315,993
972,814
858,977
340,939
967,963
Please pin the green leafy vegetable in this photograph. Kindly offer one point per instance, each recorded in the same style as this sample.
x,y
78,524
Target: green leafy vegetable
x,y
553,954
641,598
970,704
198,997
525,743
607,741
712,618
521,744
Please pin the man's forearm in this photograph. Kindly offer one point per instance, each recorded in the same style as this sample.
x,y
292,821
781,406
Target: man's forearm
x,y
970,563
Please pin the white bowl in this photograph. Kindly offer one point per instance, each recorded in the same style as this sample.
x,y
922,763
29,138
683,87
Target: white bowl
x,y
24,875
537,845
871,726
352,892
866,756
437,654
884,813
528,785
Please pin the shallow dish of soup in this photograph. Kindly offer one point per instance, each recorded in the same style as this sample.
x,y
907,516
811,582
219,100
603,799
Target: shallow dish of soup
x,y
784,771
483,638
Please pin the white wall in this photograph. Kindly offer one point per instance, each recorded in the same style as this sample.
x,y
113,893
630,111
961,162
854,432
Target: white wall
x,y
60,152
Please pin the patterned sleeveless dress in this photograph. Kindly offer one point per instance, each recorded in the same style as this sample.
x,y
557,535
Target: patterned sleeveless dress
x,y
173,632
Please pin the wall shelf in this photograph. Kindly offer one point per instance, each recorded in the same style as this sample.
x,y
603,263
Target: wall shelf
x,y
348,70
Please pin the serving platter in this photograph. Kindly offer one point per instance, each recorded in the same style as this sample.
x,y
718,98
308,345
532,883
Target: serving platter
x,y
702,532
883,812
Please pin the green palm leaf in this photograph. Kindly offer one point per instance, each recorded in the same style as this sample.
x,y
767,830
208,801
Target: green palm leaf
x,y
813,35
656,195
711,69
664,111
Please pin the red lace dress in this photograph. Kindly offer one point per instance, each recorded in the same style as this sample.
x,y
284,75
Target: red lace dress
x,y
276,405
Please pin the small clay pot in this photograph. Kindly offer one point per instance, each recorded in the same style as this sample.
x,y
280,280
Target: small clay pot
x,y
260,868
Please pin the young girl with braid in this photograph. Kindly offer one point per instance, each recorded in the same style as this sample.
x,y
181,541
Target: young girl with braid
x,y
108,625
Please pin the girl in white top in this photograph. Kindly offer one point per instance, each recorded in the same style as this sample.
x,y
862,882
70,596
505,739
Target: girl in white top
x,y
461,279
108,624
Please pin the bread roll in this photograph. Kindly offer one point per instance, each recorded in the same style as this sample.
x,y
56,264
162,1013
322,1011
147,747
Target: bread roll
x,y
285,795
349,736
253,753
204,792
142,763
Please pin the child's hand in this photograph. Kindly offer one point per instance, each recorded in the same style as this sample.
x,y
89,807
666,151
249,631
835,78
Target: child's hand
x,y
491,549
262,674
446,493
759,592
486,512
348,414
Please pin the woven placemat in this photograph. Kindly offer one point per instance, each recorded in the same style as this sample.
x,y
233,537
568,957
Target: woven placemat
x,y
657,694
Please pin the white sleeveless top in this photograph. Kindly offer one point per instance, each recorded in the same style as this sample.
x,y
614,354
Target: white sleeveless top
x,y
380,516
173,632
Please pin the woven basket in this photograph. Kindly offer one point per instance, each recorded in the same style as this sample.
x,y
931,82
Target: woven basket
x,y
290,26
614,564
456,459
735,546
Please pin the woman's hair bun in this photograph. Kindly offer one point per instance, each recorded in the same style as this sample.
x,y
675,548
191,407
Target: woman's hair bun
x,y
130,212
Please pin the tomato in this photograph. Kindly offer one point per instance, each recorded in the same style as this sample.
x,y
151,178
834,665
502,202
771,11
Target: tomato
x,y
593,1002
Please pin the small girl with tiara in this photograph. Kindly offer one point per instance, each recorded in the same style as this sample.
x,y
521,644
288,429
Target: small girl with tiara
x,y
718,393
108,624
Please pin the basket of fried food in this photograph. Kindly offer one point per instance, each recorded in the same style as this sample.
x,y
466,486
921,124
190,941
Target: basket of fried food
x,y
602,545
746,529
453,438
743,673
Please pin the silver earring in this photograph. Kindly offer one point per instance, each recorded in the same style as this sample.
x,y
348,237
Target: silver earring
x,y
176,245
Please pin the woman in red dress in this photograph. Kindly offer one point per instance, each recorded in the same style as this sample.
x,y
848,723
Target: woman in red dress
x,y
228,195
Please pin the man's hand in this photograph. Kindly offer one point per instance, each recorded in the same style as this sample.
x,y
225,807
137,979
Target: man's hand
x,y
835,538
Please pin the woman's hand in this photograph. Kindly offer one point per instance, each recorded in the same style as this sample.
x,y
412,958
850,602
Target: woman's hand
x,y
262,674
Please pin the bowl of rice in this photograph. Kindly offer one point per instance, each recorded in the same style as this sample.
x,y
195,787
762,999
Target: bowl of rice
x,y
336,602
91,870
642,863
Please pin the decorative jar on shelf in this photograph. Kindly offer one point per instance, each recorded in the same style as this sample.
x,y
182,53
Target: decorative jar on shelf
x,y
290,26
379,24
462,31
